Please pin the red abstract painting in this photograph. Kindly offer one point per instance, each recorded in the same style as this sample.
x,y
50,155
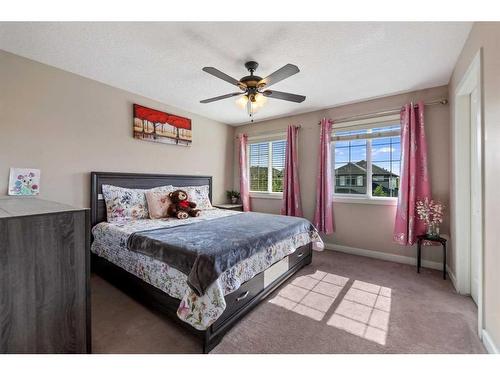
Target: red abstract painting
x,y
157,126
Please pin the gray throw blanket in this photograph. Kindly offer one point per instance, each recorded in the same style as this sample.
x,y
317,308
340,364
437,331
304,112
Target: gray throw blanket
x,y
204,250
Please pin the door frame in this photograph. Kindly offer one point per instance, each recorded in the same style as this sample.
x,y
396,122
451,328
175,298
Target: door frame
x,y
463,162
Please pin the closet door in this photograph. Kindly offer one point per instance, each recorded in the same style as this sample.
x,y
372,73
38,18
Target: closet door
x,y
475,196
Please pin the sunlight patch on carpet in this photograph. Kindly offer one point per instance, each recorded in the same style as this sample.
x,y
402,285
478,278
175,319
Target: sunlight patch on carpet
x,y
364,311
311,295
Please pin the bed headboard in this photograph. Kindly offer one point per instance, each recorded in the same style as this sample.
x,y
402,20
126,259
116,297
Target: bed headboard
x,y
135,181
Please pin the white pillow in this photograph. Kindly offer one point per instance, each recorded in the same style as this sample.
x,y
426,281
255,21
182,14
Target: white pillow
x,y
198,195
158,201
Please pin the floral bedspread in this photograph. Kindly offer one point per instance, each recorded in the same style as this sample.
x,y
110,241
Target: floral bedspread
x,y
110,242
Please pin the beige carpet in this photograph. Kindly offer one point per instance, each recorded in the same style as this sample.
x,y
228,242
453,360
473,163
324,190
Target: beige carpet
x,y
339,304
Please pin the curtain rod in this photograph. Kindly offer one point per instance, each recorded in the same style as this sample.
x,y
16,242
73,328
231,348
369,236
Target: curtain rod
x,y
388,112
269,132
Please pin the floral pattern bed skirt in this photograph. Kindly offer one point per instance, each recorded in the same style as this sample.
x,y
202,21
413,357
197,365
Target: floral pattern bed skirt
x,y
110,242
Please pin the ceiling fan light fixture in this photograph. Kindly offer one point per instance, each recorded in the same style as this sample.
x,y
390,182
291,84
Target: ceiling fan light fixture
x,y
242,101
260,100
254,108
251,103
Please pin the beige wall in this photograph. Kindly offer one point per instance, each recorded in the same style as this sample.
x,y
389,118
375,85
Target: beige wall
x,y
487,37
364,226
68,126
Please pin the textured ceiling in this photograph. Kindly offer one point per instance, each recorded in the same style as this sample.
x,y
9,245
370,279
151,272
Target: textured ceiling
x,y
340,62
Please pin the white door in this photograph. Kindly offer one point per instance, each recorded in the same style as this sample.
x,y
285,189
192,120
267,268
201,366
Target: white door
x,y
475,199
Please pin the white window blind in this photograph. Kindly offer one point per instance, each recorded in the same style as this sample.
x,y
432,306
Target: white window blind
x,y
267,166
259,163
278,165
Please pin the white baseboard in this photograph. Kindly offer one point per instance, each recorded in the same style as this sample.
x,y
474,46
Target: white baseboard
x,y
383,256
452,276
489,344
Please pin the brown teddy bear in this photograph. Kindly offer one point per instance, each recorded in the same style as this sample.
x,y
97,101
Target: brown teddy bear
x,y
180,207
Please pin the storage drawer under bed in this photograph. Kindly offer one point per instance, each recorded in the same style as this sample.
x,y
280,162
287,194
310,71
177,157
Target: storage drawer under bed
x,y
239,298
298,255
250,289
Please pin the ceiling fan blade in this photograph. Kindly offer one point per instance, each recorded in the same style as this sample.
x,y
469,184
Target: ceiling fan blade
x,y
284,96
221,97
279,75
217,73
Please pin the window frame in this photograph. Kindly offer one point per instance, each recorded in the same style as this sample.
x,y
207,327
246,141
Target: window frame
x,y
367,198
269,194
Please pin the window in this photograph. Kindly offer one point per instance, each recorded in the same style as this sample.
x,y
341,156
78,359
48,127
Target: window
x,y
359,181
386,163
267,166
349,157
367,160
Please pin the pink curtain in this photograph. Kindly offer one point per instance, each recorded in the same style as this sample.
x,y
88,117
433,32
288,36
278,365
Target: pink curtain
x,y
291,189
414,180
244,185
323,217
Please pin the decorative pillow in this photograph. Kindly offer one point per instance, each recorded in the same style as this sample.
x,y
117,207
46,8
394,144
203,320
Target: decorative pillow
x,y
198,195
158,201
123,203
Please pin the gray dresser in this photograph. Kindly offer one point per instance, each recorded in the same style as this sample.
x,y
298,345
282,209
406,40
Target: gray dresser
x,y
44,277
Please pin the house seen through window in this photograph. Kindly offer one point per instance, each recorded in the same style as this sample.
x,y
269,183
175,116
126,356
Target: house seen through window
x,y
367,160
267,166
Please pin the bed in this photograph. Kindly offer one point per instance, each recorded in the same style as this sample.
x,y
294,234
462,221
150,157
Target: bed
x,y
210,294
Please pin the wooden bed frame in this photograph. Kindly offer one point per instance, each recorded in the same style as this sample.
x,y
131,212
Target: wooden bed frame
x,y
239,302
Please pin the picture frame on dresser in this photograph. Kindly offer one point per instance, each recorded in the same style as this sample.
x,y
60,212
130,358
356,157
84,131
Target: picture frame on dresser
x,y
239,302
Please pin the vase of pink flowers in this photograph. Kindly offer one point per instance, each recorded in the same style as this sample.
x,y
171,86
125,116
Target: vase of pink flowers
x,y
431,213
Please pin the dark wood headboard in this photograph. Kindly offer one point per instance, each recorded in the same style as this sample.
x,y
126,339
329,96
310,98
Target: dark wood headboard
x,y
135,181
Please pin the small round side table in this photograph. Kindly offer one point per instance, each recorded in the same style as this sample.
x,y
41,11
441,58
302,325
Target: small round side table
x,y
423,238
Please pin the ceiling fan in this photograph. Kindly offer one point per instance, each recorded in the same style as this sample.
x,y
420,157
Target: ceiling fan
x,y
254,89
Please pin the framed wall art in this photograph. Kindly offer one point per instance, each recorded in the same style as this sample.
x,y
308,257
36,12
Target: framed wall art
x,y
157,126
24,181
